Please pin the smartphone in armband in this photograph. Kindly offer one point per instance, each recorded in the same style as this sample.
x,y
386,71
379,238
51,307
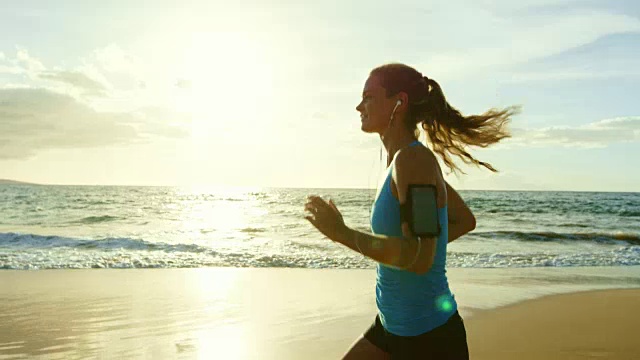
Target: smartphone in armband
x,y
421,210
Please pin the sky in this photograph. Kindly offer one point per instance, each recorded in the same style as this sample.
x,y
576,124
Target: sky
x,y
263,93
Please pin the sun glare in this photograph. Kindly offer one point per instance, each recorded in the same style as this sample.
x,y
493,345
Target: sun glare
x,y
226,79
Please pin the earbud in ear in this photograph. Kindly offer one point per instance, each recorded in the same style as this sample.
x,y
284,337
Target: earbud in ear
x,y
398,103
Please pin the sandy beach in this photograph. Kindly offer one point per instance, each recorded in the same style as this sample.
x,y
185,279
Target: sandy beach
x,y
229,313
585,325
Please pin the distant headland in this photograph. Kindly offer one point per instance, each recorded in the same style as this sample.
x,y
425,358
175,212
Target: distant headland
x,y
14,182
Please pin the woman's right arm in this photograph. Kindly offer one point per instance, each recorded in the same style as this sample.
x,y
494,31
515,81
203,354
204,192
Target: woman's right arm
x,y
461,219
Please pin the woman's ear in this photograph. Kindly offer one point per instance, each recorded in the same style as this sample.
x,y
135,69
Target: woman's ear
x,y
404,97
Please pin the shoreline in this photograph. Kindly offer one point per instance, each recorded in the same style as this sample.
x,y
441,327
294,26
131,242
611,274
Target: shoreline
x,y
475,289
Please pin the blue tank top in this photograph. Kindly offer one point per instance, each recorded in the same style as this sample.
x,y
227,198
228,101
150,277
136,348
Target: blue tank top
x,y
410,304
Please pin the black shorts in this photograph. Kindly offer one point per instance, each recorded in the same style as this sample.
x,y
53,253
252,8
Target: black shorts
x,y
448,341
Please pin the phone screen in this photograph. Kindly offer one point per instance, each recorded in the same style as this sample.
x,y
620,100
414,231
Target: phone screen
x,y
424,210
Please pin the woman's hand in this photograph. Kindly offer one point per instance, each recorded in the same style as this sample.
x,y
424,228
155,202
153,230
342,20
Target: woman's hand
x,y
325,217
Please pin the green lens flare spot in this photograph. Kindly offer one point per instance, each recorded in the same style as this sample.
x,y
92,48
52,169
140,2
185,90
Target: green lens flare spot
x,y
444,303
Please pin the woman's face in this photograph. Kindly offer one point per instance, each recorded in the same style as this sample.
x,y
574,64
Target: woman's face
x,y
375,108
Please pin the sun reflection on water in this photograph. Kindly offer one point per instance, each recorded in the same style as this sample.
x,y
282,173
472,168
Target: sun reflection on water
x,y
228,211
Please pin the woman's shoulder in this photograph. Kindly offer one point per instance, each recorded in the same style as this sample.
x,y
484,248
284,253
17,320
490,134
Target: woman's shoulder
x,y
417,163
416,155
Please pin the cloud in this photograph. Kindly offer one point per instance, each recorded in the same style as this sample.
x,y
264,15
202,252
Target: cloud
x,y
105,72
21,64
597,134
8,68
14,70
76,79
113,65
28,62
613,56
505,39
570,74
113,58
35,120
34,71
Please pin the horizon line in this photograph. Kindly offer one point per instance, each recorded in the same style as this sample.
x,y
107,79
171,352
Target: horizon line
x,y
25,183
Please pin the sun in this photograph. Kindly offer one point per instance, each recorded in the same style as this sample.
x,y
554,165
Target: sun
x,y
225,79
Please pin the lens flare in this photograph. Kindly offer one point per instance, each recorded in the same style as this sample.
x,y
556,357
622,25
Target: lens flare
x,y
444,303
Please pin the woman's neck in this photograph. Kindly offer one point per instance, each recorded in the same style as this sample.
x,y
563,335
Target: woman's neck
x,y
394,142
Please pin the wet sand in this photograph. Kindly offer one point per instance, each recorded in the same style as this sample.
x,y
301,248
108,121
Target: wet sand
x,y
229,313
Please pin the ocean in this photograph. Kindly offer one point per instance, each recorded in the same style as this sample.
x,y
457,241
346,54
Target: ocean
x,y
52,227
